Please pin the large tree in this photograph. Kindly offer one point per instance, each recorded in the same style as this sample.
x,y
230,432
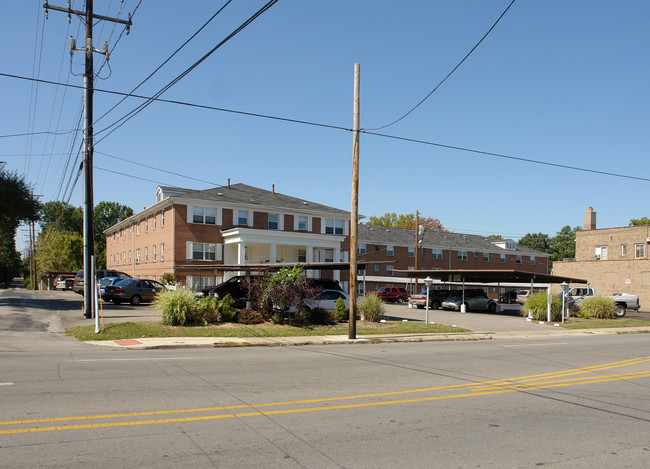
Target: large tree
x,y
537,241
107,214
62,217
18,205
406,220
563,244
59,251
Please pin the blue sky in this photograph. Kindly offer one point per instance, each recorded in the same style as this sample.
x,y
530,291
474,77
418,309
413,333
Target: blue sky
x,y
562,82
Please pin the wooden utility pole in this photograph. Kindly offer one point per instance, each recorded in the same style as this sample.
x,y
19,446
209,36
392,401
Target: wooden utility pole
x,y
89,77
352,333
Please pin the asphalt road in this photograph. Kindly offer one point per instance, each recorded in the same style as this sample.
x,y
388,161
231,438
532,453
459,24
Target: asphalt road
x,y
579,402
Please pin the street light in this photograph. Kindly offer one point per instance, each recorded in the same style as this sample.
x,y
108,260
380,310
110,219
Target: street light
x,y
427,282
564,285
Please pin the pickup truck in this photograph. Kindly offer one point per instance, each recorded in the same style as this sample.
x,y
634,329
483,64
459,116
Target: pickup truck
x,y
623,301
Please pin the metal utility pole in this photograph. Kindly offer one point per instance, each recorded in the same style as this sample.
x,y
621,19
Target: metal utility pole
x,y
352,333
88,205
417,245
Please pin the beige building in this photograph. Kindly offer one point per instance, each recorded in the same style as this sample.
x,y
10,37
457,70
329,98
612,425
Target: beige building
x,y
613,260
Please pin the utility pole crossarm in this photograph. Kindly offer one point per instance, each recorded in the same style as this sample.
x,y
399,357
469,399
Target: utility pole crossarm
x,y
71,11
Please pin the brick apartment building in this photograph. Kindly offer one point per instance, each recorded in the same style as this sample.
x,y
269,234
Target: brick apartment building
x,y
189,232
387,249
613,260
186,231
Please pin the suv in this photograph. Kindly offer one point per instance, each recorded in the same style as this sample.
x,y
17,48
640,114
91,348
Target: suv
x,y
78,286
392,294
436,297
475,299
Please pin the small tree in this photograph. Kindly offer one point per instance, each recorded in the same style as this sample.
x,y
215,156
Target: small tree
x,y
341,313
168,279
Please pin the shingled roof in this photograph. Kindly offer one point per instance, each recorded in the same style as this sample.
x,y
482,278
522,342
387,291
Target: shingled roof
x,y
249,195
385,235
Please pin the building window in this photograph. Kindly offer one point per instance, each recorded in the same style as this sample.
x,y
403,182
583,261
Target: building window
x,y
130,257
411,252
532,260
137,229
146,254
333,226
639,251
377,268
210,216
154,221
502,258
518,259
137,256
162,218
329,255
302,223
146,226
436,253
302,255
361,272
242,217
197,215
486,257
390,250
154,253
117,237
117,258
389,270
462,255
600,252
623,250
274,221
204,251
361,248
360,289
162,251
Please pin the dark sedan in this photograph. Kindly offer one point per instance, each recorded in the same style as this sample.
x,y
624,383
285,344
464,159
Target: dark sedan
x,y
132,290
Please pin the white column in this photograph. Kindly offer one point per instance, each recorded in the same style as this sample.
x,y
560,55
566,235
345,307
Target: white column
x,y
241,255
337,258
310,258
273,253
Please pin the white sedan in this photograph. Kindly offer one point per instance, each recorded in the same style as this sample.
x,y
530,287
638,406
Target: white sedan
x,y
326,300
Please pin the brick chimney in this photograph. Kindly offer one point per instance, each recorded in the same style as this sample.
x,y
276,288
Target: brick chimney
x,y
590,219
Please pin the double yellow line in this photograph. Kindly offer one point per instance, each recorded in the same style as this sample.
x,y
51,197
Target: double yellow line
x,y
577,376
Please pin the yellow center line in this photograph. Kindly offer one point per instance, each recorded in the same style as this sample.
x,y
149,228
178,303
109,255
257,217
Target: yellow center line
x,y
539,381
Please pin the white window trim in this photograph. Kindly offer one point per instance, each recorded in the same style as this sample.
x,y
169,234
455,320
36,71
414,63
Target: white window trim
x,y
218,251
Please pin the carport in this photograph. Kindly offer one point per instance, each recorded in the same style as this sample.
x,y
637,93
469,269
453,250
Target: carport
x,y
490,277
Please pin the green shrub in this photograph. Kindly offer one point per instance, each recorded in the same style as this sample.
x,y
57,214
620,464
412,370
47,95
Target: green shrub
x,y
341,313
168,279
372,308
599,307
207,310
176,307
320,316
227,309
249,316
536,305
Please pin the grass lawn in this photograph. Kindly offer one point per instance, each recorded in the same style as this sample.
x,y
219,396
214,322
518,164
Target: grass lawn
x,y
577,323
132,330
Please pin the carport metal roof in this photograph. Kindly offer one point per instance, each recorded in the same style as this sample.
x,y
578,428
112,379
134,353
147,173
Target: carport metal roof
x,y
255,267
489,276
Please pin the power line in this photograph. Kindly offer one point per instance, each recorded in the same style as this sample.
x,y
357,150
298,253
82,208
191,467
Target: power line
x,y
449,74
509,157
166,61
123,120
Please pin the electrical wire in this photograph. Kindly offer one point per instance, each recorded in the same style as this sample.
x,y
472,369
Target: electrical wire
x,y
165,62
123,120
449,74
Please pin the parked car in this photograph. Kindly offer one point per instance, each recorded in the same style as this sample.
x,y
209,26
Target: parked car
x,y
326,300
393,294
79,278
474,299
436,297
522,296
107,281
64,282
132,290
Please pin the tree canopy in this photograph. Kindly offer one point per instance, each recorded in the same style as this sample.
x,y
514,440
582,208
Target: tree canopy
x,y
62,217
406,220
639,221
561,246
18,205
